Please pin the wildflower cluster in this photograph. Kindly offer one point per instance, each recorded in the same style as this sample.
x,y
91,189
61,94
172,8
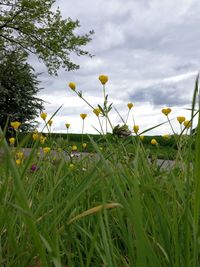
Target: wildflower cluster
x,y
19,157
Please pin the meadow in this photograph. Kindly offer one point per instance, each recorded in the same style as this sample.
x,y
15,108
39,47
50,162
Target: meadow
x,y
167,148
109,207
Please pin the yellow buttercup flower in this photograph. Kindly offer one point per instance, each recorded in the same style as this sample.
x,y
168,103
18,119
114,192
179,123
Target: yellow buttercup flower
x,y
18,161
135,129
15,124
187,124
96,111
74,148
42,139
154,142
180,119
84,145
46,150
67,125
72,86
50,122
130,105
19,154
43,115
11,140
166,111
166,136
35,136
103,79
141,137
83,115
71,166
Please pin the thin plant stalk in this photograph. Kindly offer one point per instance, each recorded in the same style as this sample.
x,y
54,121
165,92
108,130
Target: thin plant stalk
x,y
105,107
82,135
81,96
100,125
127,116
181,128
133,119
171,125
67,136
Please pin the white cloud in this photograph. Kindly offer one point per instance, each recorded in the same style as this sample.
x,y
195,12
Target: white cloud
x,y
149,50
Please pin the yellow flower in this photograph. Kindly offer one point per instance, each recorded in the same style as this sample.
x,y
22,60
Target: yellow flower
x,y
84,145
103,79
83,115
46,150
130,105
180,119
19,154
43,115
12,140
67,125
18,162
166,111
166,136
187,124
72,86
42,139
35,136
71,166
50,122
97,111
135,129
154,142
74,148
141,137
15,124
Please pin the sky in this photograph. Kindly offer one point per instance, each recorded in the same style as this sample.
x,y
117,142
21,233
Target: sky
x,y
149,49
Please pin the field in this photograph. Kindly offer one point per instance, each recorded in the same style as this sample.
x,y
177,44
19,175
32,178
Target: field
x,y
109,207
118,210
167,148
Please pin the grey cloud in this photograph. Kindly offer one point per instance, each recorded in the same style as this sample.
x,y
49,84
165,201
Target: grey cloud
x,y
160,96
138,44
178,93
186,67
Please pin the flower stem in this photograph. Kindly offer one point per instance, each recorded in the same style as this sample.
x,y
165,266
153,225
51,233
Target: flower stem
x,y
170,125
100,125
105,107
133,120
85,100
82,136
109,123
181,128
127,116
67,136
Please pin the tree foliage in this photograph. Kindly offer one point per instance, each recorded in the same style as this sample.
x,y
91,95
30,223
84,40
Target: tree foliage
x,y
32,26
18,89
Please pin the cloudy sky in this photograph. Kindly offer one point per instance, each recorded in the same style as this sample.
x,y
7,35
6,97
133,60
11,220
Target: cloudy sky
x,y
150,49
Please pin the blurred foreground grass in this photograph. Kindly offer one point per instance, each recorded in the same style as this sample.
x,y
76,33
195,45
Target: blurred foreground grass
x,y
111,208
117,209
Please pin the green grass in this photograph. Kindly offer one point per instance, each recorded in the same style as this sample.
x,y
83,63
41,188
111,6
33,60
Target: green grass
x,y
111,208
114,210
167,148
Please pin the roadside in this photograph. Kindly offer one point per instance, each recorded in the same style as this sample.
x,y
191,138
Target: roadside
x,y
164,163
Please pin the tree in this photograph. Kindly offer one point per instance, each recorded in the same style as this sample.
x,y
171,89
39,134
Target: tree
x,y
32,26
18,89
